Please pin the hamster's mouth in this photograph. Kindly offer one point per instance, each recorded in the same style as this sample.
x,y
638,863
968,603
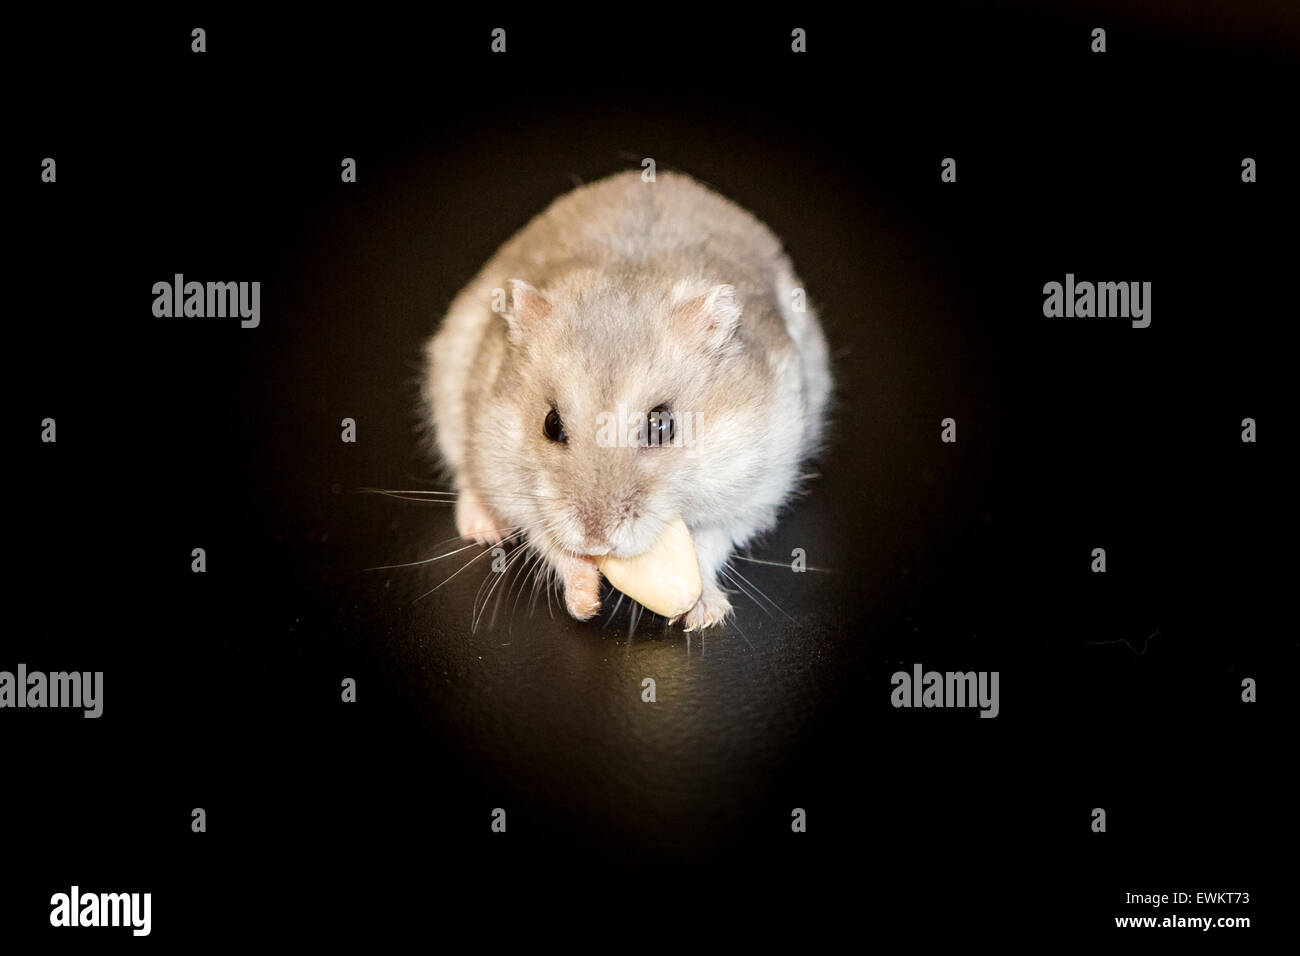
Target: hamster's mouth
x,y
597,555
590,554
583,554
665,578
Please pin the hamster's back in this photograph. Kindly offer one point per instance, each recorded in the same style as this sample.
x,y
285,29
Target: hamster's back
x,y
672,224
672,228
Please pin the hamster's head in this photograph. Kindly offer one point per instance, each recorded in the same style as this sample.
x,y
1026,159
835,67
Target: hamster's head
x,y
622,403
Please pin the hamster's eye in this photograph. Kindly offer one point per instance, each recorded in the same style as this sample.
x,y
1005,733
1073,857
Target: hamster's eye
x,y
659,426
554,427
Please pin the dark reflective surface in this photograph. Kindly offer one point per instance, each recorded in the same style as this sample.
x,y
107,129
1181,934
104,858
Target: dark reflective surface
x,y
1119,691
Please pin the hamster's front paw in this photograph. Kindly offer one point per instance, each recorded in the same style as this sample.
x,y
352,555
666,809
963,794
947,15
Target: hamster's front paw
x,y
581,587
712,608
474,520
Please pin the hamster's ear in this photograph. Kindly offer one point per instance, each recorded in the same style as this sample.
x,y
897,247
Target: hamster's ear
x,y
526,308
709,318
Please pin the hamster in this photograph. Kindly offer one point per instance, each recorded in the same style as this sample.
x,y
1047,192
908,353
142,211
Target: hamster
x,y
658,301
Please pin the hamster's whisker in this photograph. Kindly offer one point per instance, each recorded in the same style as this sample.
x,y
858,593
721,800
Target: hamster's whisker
x,y
436,557
554,528
449,497
404,491
478,557
780,564
436,544
473,616
513,574
744,557
476,614
528,552
512,565
614,613
743,590
422,499
539,572
551,584
445,497
546,588
530,570
540,578
760,591
522,495
518,569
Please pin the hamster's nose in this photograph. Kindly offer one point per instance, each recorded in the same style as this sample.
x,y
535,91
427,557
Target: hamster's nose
x,y
594,541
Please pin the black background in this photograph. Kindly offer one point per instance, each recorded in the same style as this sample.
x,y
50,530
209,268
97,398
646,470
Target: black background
x,y
222,689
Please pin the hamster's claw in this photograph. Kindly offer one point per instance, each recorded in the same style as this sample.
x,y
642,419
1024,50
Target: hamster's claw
x,y
712,608
581,587
582,606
